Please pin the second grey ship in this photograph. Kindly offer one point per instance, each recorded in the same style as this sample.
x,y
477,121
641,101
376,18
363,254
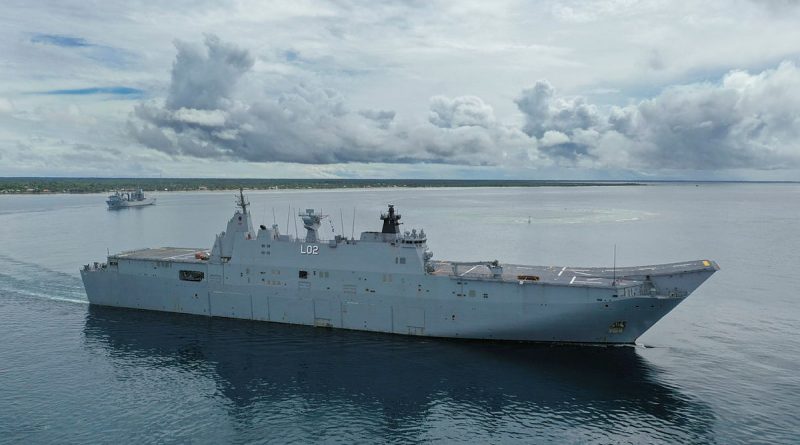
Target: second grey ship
x,y
122,199
388,281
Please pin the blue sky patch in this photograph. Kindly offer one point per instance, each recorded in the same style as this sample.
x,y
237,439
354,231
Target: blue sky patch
x,y
291,55
60,40
117,91
107,55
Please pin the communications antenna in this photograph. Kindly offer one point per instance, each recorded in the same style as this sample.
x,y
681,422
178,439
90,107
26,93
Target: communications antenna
x,y
353,230
295,227
614,280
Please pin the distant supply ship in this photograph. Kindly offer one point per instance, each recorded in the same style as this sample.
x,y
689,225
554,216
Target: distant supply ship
x,y
122,199
388,282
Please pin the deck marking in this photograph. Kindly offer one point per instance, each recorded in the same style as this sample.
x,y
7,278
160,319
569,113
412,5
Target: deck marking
x,y
470,270
562,271
572,280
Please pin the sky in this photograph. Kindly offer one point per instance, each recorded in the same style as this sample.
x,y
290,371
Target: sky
x,y
606,89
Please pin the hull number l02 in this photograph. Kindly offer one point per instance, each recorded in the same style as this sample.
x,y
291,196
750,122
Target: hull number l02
x,y
307,249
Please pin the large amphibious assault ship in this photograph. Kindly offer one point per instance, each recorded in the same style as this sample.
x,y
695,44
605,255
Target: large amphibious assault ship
x,y
388,282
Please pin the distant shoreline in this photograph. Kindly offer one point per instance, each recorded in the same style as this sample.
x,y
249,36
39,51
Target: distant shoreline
x,y
59,185
102,185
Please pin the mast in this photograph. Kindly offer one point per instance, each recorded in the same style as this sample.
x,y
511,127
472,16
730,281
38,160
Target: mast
x,y
391,221
241,202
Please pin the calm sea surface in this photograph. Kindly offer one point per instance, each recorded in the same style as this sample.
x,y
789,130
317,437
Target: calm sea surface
x,y
724,367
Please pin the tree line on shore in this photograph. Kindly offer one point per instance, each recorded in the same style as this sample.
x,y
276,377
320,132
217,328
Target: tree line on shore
x,y
101,185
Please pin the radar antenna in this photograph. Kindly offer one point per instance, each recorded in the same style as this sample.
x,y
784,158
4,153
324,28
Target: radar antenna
x,y
311,222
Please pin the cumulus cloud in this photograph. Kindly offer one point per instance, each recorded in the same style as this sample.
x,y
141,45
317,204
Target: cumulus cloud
x,y
203,116
561,124
744,121
551,138
204,77
748,120
383,118
544,111
464,111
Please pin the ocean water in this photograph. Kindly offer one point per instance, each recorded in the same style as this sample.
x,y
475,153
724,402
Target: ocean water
x,y
721,368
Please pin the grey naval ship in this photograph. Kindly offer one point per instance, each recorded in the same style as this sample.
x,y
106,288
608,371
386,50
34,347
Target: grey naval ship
x,y
122,199
388,282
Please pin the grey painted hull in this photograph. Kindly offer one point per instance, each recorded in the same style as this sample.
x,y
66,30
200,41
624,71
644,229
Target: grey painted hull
x,y
521,312
128,204
386,282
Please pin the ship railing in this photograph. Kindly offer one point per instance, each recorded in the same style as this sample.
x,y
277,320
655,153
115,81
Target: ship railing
x,y
95,266
677,293
320,239
648,288
475,269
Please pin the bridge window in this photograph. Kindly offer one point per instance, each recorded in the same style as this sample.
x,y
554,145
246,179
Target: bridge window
x,y
191,275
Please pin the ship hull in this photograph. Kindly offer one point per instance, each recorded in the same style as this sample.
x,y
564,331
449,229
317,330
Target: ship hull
x,y
128,204
534,312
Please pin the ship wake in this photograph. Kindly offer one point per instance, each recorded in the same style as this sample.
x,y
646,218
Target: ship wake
x,y
31,280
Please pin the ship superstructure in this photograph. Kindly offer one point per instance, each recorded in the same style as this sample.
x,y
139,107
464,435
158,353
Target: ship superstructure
x,y
388,281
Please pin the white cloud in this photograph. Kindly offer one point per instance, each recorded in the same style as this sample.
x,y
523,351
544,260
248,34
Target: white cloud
x,y
308,124
412,82
464,111
203,118
746,120
749,120
553,137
